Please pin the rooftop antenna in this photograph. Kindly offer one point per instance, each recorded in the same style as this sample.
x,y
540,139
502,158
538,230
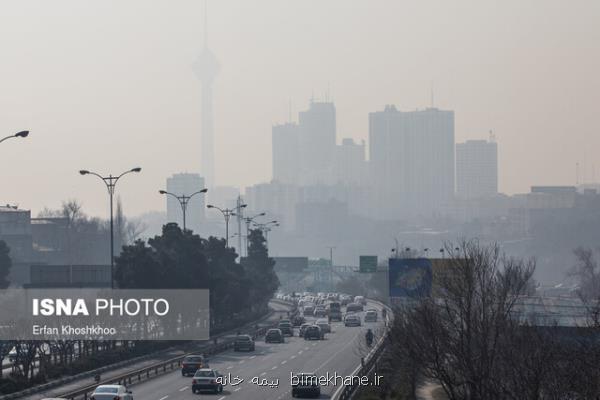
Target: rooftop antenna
x,y
492,136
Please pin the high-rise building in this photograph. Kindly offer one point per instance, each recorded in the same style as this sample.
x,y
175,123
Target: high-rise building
x,y
476,169
277,199
350,165
412,161
186,184
317,142
286,153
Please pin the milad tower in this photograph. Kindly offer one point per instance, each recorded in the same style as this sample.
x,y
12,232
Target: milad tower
x,y
206,69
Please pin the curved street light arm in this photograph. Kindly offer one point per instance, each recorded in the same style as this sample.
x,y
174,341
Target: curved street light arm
x,y
195,193
21,134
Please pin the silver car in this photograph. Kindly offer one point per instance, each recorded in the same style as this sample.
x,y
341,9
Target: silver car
x,y
112,392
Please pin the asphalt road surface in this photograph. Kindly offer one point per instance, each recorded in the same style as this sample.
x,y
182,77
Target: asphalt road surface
x,y
340,352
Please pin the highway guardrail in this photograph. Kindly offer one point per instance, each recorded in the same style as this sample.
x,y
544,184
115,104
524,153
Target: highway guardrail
x,y
142,373
368,364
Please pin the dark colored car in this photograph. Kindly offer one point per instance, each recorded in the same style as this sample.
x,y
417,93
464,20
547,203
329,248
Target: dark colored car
x,y
286,328
207,379
313,332
274,336
308,311
354,307
306,385
192,363
303,329
320,311
243,342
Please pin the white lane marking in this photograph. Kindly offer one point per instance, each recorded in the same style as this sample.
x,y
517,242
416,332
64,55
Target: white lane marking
x,y
229,367
306,348
252,357
314,344
301,351
163,398
221,398
241,362
275,367
292,357
283,362
183,388
263,374
237,389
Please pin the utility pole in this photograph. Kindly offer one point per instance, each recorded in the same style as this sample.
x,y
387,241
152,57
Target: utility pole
x,y
239,213
331,255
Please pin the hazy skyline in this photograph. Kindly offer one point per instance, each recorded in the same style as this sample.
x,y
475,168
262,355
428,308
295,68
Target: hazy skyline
x,y
107,85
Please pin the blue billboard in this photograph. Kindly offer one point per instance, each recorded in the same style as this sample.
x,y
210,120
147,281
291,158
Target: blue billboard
x,y
410,277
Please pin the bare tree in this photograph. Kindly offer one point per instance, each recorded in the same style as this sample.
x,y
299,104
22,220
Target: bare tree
x,y
456,338
134,229
587,272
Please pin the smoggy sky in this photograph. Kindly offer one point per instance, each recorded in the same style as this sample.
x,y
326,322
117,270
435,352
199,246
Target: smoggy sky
x,y
108,85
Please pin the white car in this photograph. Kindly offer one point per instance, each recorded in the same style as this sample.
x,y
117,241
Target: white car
x,y
112,392
352,320
371,316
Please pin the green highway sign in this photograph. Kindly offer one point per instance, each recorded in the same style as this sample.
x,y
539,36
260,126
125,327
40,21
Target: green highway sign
x,y
368,264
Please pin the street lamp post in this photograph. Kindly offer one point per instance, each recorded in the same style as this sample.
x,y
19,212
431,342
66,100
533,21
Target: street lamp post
x,y
183,201
249,220
227,213
110,182
266,228
22,134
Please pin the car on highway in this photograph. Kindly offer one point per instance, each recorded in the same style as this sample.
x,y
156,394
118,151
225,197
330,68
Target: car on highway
x,y
243,342
313,332
192,363
334,311
352,320
207,379
303,329
360,300
308,310
286,328
371,316
345,300
274,336
320,311
306,385
354,307
111,392
324,325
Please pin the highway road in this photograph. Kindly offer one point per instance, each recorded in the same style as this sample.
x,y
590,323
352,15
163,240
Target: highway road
x,y
340,352
278,308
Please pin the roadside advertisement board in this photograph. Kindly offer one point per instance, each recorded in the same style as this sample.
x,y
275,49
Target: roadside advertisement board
x,y
410,277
